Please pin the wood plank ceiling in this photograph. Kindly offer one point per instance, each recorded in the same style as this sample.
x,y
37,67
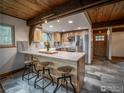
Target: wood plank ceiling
x,y
107,13
27,9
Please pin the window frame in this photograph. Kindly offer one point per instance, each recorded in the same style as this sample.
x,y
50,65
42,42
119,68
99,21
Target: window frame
x,y
12,36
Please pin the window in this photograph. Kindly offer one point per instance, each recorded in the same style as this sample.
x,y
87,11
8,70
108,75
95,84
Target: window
x,y
99,38
7,35
44,37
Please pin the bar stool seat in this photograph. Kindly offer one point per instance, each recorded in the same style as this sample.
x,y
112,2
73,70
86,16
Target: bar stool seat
x,y
43,67
65,72
28,61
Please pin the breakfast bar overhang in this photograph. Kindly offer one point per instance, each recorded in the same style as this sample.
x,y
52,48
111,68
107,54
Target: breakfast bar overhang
x,y
60,58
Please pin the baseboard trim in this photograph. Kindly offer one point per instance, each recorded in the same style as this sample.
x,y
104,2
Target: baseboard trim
x,y
10,73
117,57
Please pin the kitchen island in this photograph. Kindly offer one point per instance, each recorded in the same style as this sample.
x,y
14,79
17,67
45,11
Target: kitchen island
x,y
61,58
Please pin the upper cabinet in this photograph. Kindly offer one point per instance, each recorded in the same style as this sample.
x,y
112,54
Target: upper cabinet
x,y
37,35
64,36
57,37
67,35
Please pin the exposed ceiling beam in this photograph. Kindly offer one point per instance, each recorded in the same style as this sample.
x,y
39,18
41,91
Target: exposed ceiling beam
x,y
108,23
88,17
114,29
120,29
70,7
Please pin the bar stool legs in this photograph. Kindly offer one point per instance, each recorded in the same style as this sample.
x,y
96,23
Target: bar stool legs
x,y
72,84
23,74
51,77
65,72
57,86
28,71
64,78
38,78
38,72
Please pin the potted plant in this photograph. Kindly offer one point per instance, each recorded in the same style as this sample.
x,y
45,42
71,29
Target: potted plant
x,y
47,45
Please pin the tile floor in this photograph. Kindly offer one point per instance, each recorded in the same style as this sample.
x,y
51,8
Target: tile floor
x,y
100,76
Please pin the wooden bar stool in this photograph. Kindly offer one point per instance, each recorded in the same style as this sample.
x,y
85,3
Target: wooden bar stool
x,y
65,72
30,68
43,67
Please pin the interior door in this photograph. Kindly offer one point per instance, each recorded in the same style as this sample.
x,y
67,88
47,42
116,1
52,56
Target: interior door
x,y
100,43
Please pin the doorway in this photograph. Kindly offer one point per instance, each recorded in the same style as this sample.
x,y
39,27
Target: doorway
x,y
100,44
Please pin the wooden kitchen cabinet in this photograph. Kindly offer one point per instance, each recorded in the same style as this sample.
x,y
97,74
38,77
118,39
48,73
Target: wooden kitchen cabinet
x,y
37,35
65,37
57,37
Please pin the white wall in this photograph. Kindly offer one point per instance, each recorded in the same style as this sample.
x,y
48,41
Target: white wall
x,y
9,58
118,44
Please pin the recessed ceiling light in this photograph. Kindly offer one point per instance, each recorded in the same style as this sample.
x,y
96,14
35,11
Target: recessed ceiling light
x,y
63,30
78,27
50,26
58,20
45,21
70,21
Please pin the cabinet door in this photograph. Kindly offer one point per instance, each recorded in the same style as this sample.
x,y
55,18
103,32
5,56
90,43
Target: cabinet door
x,y
65,37
37,35
57,37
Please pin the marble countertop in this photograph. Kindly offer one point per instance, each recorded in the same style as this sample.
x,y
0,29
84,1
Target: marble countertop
x,y
71,56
